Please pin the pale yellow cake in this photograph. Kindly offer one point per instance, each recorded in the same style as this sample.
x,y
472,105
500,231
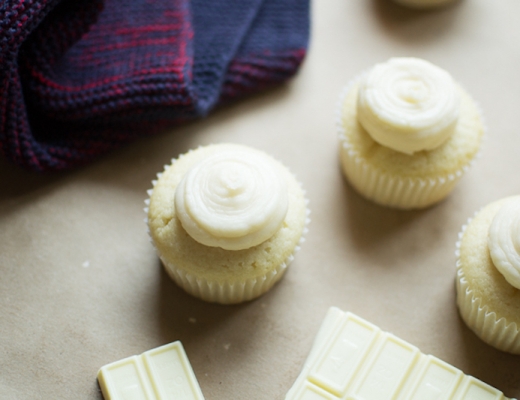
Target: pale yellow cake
x,y
397,179
488,304
214,273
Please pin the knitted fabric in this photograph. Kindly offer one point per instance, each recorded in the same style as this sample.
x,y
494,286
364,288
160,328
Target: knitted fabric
x,y
79,78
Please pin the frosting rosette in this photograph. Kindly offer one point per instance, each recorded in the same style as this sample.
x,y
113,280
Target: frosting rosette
x,y
232,199
408,104
504,241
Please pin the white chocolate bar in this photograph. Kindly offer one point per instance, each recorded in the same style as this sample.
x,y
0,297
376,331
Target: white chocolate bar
x,y
352,359
163,373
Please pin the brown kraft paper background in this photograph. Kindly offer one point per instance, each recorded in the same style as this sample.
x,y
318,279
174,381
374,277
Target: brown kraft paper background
x,y
81,285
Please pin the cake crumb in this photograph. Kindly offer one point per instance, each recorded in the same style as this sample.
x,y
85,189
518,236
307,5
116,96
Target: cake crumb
x,y
227,346
192,320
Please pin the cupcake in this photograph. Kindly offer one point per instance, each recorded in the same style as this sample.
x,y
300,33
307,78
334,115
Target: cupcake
x,y
488,274
407,133
226,221
424,4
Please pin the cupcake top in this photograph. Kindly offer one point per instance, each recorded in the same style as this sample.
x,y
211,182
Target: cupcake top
x,y
504,241
234,199
245,213
364,133
408,104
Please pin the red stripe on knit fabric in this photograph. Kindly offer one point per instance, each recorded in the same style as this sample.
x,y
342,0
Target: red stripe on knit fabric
x,y
148,28
175,13
91,85
136,43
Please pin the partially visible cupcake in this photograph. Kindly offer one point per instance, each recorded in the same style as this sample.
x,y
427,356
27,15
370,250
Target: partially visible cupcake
x,y
226,220
424,4
488,274
407,133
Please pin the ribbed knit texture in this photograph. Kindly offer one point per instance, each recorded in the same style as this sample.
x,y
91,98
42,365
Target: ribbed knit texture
x,y
79,78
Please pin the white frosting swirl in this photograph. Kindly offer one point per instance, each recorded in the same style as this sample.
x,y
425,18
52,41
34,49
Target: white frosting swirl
x,y
504,241
408,104
234,199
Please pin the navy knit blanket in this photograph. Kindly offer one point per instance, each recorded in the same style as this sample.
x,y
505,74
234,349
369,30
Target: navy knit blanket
x,y
79,78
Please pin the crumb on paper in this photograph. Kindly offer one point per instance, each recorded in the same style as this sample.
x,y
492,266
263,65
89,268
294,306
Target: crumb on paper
x,y
227,346
86,264
192,320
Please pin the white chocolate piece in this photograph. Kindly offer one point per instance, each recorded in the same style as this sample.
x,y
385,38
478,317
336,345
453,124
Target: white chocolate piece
x,y
163,373
354,359
504,241
233,199
408,104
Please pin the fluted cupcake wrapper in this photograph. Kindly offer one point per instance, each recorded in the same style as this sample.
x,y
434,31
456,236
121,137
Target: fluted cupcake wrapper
x,y
384,188
497,332
394,191
225,292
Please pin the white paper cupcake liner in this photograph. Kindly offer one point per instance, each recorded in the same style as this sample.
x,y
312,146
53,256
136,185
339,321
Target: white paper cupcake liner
x,y
394,191
227,292
497,332
387,189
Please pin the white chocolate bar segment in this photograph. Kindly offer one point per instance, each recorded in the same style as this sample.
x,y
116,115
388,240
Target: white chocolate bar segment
x,y
335,368
312,392
477,390
352,359
385,376
125,379
163,373
437,380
